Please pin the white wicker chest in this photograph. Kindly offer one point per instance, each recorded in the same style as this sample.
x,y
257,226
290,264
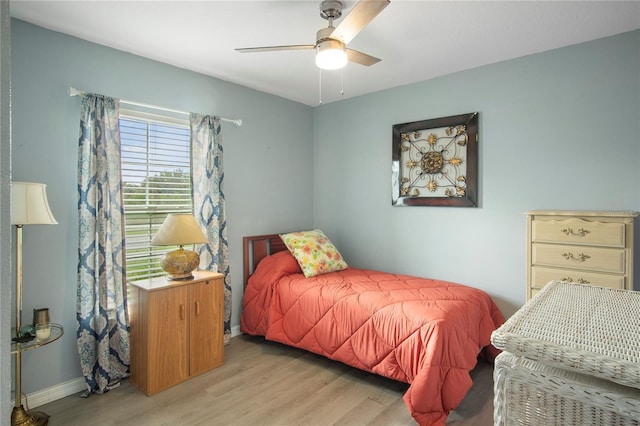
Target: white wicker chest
x,y
571,356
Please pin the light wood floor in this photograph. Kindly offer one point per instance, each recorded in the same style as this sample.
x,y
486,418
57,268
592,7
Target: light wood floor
x,y
265,383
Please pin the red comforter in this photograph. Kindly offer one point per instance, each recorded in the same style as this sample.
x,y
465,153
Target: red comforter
x,y
419,331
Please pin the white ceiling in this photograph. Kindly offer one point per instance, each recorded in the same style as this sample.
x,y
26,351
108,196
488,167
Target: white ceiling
x,y
416,40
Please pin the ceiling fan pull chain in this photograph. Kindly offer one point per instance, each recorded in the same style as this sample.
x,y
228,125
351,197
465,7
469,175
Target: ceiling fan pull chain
x,y
341,81
319,86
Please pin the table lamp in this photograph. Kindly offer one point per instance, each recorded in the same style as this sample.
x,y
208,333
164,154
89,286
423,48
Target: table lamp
x,y
178,230
29,206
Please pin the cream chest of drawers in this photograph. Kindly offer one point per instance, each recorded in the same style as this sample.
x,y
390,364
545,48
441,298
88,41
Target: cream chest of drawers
x,y
587,247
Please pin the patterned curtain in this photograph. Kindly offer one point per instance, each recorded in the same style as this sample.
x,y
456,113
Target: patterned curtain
x,y
208,202
103,325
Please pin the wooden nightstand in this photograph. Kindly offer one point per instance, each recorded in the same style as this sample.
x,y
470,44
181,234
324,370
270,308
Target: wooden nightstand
x,y
176,329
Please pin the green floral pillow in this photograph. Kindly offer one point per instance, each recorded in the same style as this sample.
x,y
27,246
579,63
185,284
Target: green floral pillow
x,y
314,252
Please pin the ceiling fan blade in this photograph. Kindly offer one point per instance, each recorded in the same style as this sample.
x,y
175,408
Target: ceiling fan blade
x,y
361,14
361,58
273,48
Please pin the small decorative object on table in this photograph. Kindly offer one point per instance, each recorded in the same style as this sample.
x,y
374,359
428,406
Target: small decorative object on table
x,y
26,333
41,323
43,330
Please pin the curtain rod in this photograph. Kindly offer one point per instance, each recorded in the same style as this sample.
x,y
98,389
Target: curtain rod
x,y
75,92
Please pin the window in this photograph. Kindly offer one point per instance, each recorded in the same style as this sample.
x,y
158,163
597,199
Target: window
x,y
156,178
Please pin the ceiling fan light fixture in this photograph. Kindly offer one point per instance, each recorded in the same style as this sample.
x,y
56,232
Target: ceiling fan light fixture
x,y
331,55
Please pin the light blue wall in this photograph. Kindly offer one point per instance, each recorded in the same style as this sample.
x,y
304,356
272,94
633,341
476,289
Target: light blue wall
x,y
558,130
267,163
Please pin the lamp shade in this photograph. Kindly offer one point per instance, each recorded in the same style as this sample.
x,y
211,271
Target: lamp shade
x,y
330,55
29,205
177,230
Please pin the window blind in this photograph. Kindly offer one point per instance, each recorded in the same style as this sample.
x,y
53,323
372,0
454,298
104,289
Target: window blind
x,y
156,178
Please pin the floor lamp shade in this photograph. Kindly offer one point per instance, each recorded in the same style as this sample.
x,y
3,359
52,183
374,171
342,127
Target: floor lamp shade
x,y
29,205
178,230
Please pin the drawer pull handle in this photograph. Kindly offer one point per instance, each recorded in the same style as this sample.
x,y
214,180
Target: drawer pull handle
x,y
181,311
580,280
198,308
579,233
581,257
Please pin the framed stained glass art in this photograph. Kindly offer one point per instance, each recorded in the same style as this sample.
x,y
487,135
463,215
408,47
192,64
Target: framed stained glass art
x,y
435,162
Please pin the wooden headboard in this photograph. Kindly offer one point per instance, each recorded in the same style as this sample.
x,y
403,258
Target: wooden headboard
x,y
257,247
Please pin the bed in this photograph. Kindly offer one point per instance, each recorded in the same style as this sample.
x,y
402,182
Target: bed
x,y
427,333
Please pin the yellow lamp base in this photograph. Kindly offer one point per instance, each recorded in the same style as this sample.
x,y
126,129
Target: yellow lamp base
x,y
20,417
180,263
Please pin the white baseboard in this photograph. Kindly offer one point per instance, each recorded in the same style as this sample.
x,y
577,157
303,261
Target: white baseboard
x,y
235,331
54,393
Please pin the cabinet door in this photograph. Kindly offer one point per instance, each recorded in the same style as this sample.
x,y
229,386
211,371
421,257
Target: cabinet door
x,y
167,339
206,334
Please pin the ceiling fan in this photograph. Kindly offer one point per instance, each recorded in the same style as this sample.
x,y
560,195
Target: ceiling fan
x,y
331,50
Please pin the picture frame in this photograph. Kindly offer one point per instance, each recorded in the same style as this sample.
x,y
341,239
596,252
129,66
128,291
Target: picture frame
x,y
435,162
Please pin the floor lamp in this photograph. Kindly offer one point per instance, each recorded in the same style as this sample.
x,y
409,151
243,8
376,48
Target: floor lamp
x,y
29,206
